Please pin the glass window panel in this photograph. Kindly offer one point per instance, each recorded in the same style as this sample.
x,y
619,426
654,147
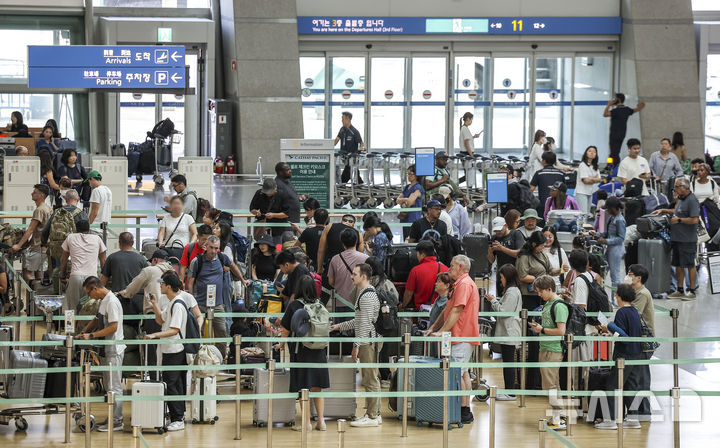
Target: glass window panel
x,y
347,80
510,113
137,116
314,121
312,85
358,119
552,99
471,91
429,80
387,87
153,3
593,76
173,107
14,58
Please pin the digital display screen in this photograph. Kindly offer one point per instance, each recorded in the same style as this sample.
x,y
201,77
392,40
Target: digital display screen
x,y
497,188
425,161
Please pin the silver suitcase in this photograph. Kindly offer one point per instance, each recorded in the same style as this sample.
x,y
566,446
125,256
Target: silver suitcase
x,y
149,246
565,215
341,380
149,414
6,332
283,409
26,385
204,411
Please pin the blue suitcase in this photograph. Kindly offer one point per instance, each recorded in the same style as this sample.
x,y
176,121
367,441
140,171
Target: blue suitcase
x,y
430,409
411,384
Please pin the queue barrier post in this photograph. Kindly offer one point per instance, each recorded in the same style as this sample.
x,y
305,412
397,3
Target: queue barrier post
x,y
619,401
136,436
305,415
493,399
341,433
541,431
31,312
271,388
675,394
406,384
210,317
523,354
68,384
446,429
111,421
675,313
237,339
87,406
568,403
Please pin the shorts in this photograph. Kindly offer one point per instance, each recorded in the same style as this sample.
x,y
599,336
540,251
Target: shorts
x,y
462,352
32,261
684,254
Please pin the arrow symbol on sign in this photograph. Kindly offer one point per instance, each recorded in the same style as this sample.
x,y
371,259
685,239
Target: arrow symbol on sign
x,y
492,25
175,56
175,77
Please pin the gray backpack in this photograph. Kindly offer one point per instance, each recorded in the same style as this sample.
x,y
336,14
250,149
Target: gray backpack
x,y
313,321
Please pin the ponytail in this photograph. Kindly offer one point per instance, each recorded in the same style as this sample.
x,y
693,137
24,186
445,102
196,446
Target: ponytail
x,y
465,116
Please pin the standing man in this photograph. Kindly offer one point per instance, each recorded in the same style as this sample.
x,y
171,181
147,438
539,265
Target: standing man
x,y
366,313
461,224
330,244
504,247
192,250
205,282
420,286
84,249
110,328
683,237
342,265
122,267
188,195
430,222
634,166
290,266
460,319
260,204
618,123
32,260
100,199
285,204
441,177
545,178
351,143
665,165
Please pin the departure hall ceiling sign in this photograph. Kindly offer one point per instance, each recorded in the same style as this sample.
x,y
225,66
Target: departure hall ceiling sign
x,y
465,25
106,67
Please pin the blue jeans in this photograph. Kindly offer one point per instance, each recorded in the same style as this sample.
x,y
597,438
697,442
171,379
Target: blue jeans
x,y
614,256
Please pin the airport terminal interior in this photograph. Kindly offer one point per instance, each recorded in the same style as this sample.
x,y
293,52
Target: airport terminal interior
x,y
365,102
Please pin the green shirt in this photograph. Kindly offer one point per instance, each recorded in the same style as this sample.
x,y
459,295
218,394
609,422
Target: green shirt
x,y
561,315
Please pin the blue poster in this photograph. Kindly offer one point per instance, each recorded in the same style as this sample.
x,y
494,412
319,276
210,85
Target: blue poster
x,y
425,161
497,188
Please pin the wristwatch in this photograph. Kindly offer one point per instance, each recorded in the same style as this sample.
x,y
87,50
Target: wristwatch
x,y
542,331
91,335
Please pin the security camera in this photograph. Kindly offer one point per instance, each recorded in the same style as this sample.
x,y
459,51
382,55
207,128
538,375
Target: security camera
x,y
368,46
534,46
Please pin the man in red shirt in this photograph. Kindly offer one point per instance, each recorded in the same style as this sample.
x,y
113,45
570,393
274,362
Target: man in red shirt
x,y
420,287
461,321
193,250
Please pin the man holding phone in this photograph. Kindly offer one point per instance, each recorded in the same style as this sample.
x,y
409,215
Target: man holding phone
x,y
618,123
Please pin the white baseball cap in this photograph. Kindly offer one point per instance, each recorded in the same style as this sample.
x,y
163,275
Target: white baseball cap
x,y
498,223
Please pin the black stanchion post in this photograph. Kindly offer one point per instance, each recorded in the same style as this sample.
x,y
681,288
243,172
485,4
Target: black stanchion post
x,y
523,354
675,313
68,384
238,403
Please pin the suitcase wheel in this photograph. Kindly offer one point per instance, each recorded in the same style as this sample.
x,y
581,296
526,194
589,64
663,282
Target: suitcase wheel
x,y
459,425
420,424
161,430
194,421
80,420
21,424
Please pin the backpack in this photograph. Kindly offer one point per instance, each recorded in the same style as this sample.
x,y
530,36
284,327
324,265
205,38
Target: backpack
x,y
575,324
317,278
448,248
319,319
62,224
521,197
207,355
241,244
192,329
597,299
387,322
11,235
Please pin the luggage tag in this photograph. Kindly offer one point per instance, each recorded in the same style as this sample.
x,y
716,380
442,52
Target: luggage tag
x,y
69,321
211,291
446,349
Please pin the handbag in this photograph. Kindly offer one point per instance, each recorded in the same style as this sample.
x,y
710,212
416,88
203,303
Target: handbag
x,y
703,235
173,249
647,346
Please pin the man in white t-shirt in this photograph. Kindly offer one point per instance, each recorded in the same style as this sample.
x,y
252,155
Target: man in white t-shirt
x,y
108,325
634,166
84,249
100,199
189,299
173,318
578,260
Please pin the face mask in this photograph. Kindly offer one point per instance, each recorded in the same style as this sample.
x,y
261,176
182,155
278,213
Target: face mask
x,y
513,180
694,172
628,280
543,140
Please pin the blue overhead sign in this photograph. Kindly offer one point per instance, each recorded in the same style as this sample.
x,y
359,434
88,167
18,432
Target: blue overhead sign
x,y
119,67
464,25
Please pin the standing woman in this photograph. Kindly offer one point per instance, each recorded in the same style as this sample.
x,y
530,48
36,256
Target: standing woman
x,y
588,177
678,148
177,229
71,169
702,186
557,256
531,264
314,379
467,145
510,302
17,125
48,177
378,237
535,161
263,259
614,238
411,196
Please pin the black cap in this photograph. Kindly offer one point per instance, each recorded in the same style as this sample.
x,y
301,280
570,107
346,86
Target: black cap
x,y
161,254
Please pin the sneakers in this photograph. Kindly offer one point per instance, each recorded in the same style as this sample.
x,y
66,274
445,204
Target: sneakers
x,y
321,426
505,397
365,421
607,425
466,415
690,295
104,427
631,424
676,295
176,426
379,419
560,425
298,428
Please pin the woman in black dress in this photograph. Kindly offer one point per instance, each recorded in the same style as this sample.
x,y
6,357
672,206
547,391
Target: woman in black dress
x,y
263,259
314,379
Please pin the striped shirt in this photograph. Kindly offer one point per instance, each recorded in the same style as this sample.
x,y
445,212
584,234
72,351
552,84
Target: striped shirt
x,y
366,313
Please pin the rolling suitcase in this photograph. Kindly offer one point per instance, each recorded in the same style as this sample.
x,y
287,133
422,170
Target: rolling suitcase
x,y
341,380
655,256
149,414
54,351
6,332
26,385
204,411
55,382
476,248
598,406
149,246
283,409
430,409
396,404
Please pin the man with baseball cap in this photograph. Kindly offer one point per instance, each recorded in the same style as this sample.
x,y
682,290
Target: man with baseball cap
x,y
504,248
430,222
441,177
260,203
100,199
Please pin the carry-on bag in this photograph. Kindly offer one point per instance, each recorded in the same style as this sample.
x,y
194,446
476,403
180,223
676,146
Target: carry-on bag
x,y
283,409
149,414
204,411
26,385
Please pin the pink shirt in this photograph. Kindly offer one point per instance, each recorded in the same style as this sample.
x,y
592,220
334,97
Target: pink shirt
x,y
465,293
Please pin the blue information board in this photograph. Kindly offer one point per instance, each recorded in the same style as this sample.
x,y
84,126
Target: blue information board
x,y
106,67
497,188
425,161
465,25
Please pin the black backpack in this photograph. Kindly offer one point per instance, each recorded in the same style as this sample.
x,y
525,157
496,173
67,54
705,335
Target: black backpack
x,y
597,299
576,321
387,323
192,329
521,197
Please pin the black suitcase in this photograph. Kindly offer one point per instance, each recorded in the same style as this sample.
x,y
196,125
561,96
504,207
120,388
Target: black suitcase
x,y
147,162
133,162
401,259
597,380
476,248
55,382
634,208
651,225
